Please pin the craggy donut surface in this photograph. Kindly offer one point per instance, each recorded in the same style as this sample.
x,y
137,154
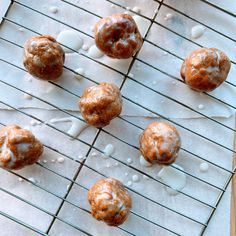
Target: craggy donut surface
x,y
43,57
18,147
205,69
118,36
100,104
110,201
160,143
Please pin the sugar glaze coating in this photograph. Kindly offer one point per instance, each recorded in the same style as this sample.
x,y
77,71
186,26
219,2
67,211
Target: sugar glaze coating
x,y
160,143
43,57
118,36
100,104
18,147
110,201
205,69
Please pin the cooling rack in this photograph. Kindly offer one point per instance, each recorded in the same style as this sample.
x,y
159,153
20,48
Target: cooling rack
x,y
77,176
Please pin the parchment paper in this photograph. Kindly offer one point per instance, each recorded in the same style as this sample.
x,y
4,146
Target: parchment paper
x,y
167,61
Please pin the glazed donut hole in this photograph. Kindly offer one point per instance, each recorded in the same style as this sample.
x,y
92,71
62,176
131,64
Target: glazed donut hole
x,y
118,36
205,69
160,143
100,104
18,148
43,57
110,201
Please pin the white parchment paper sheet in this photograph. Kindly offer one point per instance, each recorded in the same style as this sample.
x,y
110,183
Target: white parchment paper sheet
x,y
156,75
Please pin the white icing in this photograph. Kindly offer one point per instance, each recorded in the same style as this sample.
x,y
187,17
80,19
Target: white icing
x,y
135,178
80,72
45,161
129,183
27,96
126,174
85,47
81,157
108,150
33,180
168,16
197,31
167,143
60,159
53,161
211,69
129,160
94,52
77,126
143,162
137,9
20,179
5,151
201,106
108,165
173,177
218,57
204,167
22,147
145,177
70,39
53,9
154,82
117,164
35,122
93,154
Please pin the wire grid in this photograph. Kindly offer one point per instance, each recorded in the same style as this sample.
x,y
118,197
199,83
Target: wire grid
x,y
92,145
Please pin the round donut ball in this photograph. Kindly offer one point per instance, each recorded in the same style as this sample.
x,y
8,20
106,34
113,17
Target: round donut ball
x,y
100,104
43,57
118,36
205,69
160,143
18,148
110,201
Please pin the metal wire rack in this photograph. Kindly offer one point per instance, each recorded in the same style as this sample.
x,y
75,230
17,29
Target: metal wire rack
x,y
83,164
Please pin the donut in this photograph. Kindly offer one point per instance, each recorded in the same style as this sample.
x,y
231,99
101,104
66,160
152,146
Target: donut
x,y
110,201
100,104
118,36
18,148
160,143
205,69
43,57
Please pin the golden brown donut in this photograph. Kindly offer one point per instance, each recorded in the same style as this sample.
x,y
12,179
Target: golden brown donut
x,y
18,147
205,69
43,57
100,104
118,36
160,143
110,201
